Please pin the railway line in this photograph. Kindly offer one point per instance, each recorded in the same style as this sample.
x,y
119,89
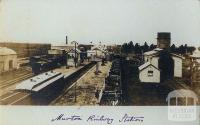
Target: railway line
x,y
8,83
26,97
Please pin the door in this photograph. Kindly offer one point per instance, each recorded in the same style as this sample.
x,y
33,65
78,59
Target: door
x,y
10,64
1,66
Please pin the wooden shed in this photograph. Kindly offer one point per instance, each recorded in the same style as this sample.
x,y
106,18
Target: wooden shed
x,y
149,73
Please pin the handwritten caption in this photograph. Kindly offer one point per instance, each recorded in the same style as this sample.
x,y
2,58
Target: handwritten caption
x,y
98,118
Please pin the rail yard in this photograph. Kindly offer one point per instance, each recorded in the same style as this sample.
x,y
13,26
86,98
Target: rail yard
x,y
24,95
92,75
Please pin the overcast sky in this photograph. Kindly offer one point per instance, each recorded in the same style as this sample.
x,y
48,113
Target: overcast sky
x,y
109,21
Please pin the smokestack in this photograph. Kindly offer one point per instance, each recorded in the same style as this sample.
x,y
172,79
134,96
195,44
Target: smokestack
x,y
66,40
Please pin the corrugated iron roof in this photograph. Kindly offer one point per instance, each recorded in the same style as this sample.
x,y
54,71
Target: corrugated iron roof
x,y
7,51
38,81
146,65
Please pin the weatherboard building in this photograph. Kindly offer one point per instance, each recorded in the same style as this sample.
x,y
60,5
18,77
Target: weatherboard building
x,y
160,64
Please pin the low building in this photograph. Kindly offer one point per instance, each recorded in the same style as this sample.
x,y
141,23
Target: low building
x,y
8,59
174,62
149,73
71,57
99,51
66,47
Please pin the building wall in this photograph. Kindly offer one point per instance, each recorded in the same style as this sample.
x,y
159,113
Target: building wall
x,y
177,66
4,62
154,61
90,54
143,75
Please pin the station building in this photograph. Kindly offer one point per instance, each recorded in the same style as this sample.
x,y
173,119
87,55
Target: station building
x,y
8,59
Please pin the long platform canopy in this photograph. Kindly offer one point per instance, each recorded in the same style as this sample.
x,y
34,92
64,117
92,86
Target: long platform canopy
x,y
40,81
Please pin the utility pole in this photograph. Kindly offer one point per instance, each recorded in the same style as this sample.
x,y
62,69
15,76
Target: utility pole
x,y
66,55
75,54
75,92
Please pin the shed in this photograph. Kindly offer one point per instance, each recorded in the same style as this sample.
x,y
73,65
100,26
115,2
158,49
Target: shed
x,y
8,59
149,73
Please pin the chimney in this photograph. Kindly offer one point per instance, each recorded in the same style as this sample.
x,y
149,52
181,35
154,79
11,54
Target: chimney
x,y
66,40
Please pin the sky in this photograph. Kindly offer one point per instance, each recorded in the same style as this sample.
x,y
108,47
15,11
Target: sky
x,y
108,21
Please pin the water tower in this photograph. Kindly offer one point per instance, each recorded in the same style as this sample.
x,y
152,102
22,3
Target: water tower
x,y
163,40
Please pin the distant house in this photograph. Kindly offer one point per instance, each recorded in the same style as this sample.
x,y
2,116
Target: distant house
x,y
149,73
71,53
99,51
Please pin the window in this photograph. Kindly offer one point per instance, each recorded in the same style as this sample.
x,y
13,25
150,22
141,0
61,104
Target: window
x,y
190,101
150,73
181,101
173,101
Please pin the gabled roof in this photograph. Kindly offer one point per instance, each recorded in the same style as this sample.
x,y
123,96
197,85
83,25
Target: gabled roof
x,y
196,54
98,48
153,52
145,65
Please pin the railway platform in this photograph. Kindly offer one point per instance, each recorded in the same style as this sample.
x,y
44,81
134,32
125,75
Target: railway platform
x,y
84,90
9,82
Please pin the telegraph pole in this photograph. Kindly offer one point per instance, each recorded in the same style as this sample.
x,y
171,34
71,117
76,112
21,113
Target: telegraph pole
x,y
75,54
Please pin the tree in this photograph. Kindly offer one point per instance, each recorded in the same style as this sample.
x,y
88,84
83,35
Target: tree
x,y
145,47
152,46
137,49
173,48
124,48
130,47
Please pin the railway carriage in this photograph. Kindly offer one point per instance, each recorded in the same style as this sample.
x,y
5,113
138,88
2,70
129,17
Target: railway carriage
x,y
55,58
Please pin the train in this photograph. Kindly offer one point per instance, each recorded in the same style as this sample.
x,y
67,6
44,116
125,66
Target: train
x,y
43,63
54,59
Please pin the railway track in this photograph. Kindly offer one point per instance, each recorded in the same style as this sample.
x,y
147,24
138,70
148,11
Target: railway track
x,y
13,98
24,98
14,81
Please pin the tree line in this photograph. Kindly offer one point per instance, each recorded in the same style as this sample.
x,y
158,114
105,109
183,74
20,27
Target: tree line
x,y
139,49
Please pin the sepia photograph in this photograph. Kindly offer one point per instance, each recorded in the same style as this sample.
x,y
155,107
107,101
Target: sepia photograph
x,y
111,55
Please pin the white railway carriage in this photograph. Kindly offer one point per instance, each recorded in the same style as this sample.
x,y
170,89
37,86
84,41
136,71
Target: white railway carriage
x,y
40,82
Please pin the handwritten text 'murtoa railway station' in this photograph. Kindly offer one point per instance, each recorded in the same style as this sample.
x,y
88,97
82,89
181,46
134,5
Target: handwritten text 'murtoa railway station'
x,y
98,118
